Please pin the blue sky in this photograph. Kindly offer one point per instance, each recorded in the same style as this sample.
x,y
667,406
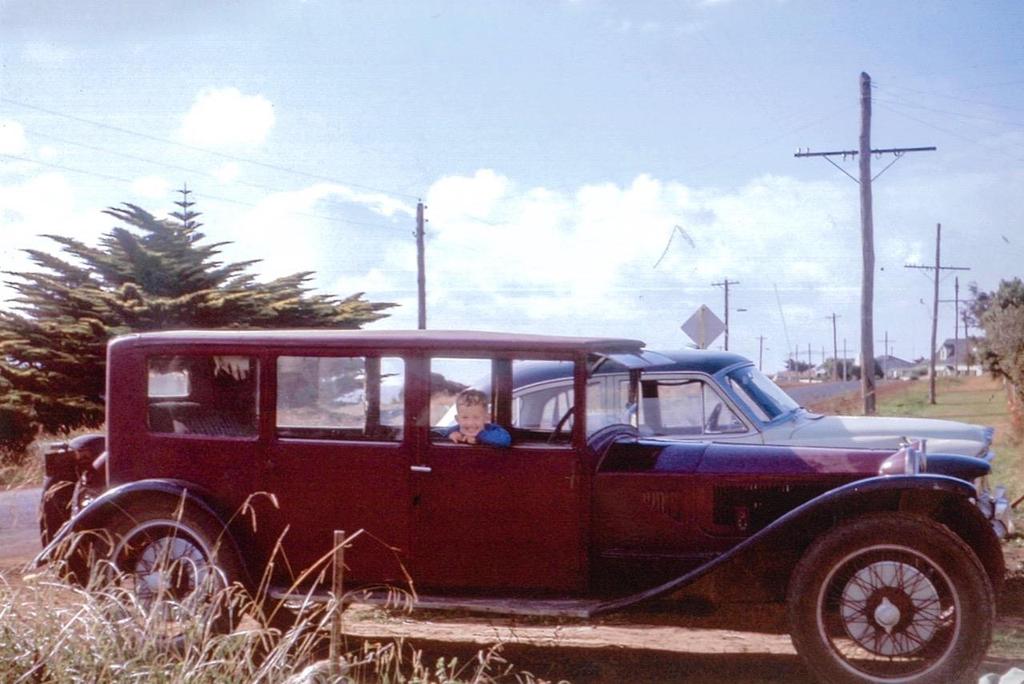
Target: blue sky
x,y
556,144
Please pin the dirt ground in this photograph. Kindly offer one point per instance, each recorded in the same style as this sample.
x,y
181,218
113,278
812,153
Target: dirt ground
x,y
692,645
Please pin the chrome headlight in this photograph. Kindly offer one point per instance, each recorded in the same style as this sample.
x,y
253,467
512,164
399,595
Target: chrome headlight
x,y
995,506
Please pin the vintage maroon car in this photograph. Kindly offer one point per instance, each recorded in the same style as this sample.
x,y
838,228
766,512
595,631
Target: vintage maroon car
x,y
888,571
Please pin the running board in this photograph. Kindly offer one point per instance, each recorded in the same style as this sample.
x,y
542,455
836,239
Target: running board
x,y
565,608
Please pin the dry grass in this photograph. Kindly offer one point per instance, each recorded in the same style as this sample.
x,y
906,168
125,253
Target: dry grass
x,y
29,469
50,632
25,469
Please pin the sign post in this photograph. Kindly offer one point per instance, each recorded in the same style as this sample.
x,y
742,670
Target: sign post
x,y
703,327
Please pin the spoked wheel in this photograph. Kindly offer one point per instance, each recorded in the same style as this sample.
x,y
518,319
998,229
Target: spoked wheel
x,y
891,599
177,568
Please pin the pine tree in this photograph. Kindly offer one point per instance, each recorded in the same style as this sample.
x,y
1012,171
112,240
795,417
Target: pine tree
x,y
146,274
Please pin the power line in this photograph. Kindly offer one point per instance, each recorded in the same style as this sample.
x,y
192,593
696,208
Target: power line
x,y
206,196
147,160
194,148
949,132
962,115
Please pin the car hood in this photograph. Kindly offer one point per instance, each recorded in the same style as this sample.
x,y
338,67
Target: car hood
x,y
945,436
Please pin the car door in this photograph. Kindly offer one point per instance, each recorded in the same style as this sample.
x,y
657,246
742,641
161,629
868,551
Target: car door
x,y
339,460
492,518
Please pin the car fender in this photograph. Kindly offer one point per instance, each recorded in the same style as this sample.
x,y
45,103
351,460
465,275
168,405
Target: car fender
x,y
925,494
92,516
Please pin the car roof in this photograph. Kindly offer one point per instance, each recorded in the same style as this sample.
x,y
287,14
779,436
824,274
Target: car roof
x,y
461,340
692,360
700,360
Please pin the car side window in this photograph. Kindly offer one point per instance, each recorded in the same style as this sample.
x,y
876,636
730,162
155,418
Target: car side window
x,y
340,397
211,395
685,407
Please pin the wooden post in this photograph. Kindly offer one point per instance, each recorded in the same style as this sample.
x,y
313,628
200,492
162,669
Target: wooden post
x,y
337,589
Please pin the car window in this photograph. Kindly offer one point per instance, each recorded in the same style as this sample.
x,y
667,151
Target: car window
x,y
212,395
340,397
448,377
763,398
541,405
683,406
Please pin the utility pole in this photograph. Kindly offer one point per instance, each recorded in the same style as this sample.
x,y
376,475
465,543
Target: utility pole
x,y
956,322
938,268
967,343
846,368
421,269
867,376
725,284
885,354
760,352
835,349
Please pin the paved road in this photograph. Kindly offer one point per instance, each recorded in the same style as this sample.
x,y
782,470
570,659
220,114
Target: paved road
x,y
19,526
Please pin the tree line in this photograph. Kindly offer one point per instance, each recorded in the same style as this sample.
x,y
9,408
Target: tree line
x,y
144,274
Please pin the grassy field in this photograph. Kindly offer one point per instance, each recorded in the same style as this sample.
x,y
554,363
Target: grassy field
x,y
980,400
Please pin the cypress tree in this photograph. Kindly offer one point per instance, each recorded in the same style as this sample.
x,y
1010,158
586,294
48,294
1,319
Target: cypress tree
x,y
145,274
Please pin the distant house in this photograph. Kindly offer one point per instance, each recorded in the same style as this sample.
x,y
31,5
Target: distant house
x,y
957,357
893,366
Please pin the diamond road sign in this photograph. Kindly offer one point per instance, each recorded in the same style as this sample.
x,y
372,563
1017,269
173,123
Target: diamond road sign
x,y
703,327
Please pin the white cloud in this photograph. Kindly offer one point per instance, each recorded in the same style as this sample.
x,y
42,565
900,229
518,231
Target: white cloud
x,y
224,117
291,231
12,137
502,256
43,204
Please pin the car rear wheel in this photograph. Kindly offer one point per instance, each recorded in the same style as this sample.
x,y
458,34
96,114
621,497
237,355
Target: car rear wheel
x,y
891,598
177,565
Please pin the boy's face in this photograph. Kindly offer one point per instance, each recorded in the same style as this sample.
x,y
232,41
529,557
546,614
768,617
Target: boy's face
x,y
471,418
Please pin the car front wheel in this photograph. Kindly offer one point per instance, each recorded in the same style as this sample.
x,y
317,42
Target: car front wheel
x,y
891,598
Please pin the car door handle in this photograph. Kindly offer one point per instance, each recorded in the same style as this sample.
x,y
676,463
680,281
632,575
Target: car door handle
x,y
420,469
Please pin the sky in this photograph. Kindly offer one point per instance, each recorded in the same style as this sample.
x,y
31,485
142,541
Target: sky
x,y
588,167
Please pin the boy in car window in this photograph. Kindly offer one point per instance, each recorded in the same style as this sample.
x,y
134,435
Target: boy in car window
x,y
471,426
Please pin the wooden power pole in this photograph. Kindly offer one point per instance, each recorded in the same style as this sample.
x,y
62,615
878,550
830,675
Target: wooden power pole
x,y
938,268
867,348
421,274
725,284
835,349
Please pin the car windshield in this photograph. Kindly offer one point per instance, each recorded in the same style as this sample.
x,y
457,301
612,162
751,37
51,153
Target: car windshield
x,y
762,397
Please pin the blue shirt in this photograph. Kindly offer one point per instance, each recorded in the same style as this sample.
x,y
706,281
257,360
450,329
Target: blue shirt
x,y
491,435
